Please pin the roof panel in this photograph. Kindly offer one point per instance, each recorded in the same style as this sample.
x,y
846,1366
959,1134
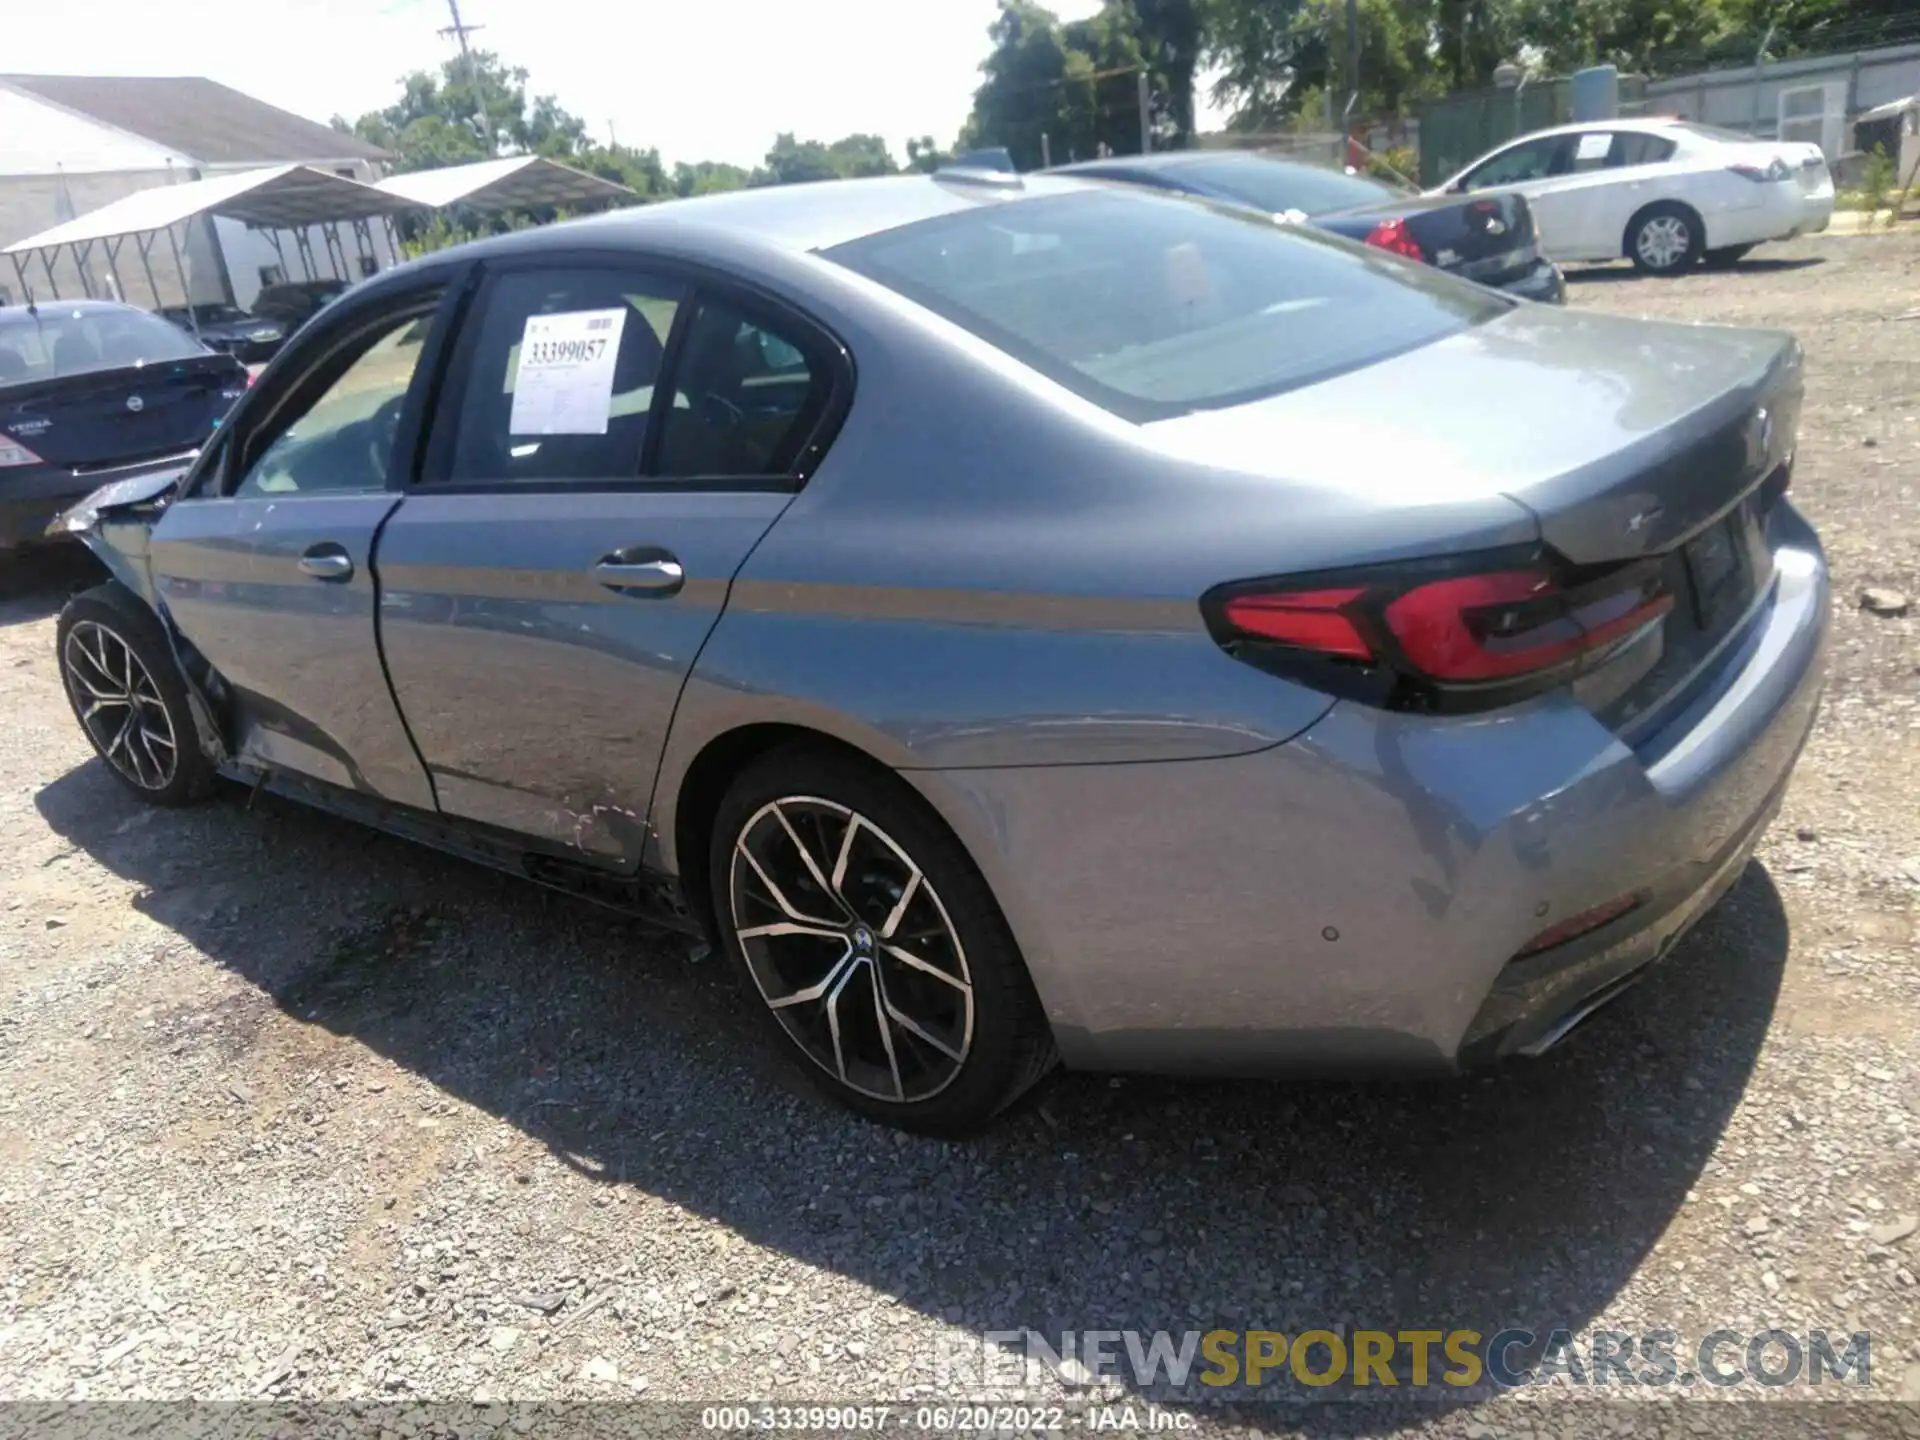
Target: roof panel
x,y
517,182
197,117
280,196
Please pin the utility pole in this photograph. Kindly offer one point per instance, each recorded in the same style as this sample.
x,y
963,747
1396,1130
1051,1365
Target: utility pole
x,y
459,30
1353,47
1353,78
1146,119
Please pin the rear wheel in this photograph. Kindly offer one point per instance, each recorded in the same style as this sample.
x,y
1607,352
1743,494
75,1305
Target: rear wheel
x,y
872,944
1665,239
129,697
1727,256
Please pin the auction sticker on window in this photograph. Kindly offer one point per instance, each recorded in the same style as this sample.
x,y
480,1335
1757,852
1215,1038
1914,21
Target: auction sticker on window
x,y
564,383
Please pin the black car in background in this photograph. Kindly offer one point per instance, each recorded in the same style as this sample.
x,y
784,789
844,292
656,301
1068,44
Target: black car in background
x,y
92,392
1489,239
250,339
295,302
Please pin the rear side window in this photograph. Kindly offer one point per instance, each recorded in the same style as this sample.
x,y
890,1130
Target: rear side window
x,y
745,398
1153,307
1636,147
560,378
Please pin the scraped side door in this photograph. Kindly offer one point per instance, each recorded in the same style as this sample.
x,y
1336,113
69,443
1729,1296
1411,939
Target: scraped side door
x,y
613,440
267,567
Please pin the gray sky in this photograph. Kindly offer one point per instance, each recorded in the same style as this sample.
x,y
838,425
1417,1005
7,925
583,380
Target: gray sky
x,y
700,79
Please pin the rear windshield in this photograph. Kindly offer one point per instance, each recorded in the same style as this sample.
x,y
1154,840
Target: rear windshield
x,y
1153,307
71,342
1277,186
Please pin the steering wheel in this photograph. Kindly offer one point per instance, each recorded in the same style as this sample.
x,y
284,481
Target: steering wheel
x,y
383,431
719,413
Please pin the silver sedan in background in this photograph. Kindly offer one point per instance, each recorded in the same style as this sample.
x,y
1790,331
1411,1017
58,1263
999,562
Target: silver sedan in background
x,y
1019,620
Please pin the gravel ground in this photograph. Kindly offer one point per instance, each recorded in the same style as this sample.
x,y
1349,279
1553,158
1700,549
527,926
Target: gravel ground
x,y
292,1111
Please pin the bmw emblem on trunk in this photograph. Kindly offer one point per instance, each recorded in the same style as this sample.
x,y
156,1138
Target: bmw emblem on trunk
x,y
136,404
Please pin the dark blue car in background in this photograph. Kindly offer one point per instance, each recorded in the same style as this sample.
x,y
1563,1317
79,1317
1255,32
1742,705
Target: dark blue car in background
x,y
1485,238
92,392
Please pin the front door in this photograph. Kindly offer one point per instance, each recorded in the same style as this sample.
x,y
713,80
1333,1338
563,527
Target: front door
x,y
1538,169
267,569
613,443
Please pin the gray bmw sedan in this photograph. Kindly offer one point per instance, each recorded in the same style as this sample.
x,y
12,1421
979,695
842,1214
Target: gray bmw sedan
x,y
1018,619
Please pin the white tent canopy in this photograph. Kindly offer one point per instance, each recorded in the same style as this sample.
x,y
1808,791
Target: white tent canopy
x,y
518,182
280,196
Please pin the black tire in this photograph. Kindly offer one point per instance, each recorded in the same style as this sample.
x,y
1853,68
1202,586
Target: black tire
x,y
125,734
1666,238
1007,1045
1727,256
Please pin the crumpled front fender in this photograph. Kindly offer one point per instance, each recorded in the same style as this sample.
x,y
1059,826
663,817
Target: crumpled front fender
x,y
116,522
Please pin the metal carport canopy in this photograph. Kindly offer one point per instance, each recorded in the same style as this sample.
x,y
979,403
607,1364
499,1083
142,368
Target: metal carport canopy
x,y
517,182
280,197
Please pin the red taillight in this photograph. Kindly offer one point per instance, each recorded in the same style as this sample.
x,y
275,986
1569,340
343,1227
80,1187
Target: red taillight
x,y
1393,235
1508,624
1306,619
1494,627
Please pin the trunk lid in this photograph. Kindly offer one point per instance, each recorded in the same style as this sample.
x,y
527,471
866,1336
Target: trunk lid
x,y
1626,440
102,418
1488,238
1623,437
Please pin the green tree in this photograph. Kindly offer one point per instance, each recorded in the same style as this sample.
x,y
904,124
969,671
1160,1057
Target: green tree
x,y
709,177
926,156
795,162
1077,84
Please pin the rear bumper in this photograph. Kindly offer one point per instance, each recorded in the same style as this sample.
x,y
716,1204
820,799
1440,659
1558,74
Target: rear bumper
x,y
1542,281
1352,901
1783,212
31,498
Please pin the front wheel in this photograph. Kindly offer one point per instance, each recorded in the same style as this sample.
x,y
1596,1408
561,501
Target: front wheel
x,y
128,695
1665,239
872,944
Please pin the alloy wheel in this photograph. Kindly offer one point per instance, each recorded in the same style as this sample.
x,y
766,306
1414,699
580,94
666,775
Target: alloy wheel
x,y
120,706
1664,241
851,948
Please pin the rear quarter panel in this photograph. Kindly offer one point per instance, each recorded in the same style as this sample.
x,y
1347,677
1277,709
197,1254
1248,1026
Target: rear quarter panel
x,y
988,571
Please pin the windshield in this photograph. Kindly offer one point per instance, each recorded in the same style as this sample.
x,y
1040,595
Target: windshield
x,y
61,342
1153,306
1277,186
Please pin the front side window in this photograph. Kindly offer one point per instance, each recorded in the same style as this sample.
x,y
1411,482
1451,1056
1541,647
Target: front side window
x,y
344,438
745,398
560,378
1153,306
1534,160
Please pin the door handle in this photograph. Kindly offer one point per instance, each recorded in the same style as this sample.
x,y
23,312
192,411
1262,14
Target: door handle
x,y
326,561
660,576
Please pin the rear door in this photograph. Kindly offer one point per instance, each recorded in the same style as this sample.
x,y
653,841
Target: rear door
x,y
267,567
614,439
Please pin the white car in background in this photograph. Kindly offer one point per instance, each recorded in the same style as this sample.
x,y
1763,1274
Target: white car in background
x,y
1663,193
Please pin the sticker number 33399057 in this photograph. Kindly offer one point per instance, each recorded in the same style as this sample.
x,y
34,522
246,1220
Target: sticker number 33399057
x,y
563,383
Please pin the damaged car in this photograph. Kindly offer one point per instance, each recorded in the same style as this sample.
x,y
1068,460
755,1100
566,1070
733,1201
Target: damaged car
x,y
1000,613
